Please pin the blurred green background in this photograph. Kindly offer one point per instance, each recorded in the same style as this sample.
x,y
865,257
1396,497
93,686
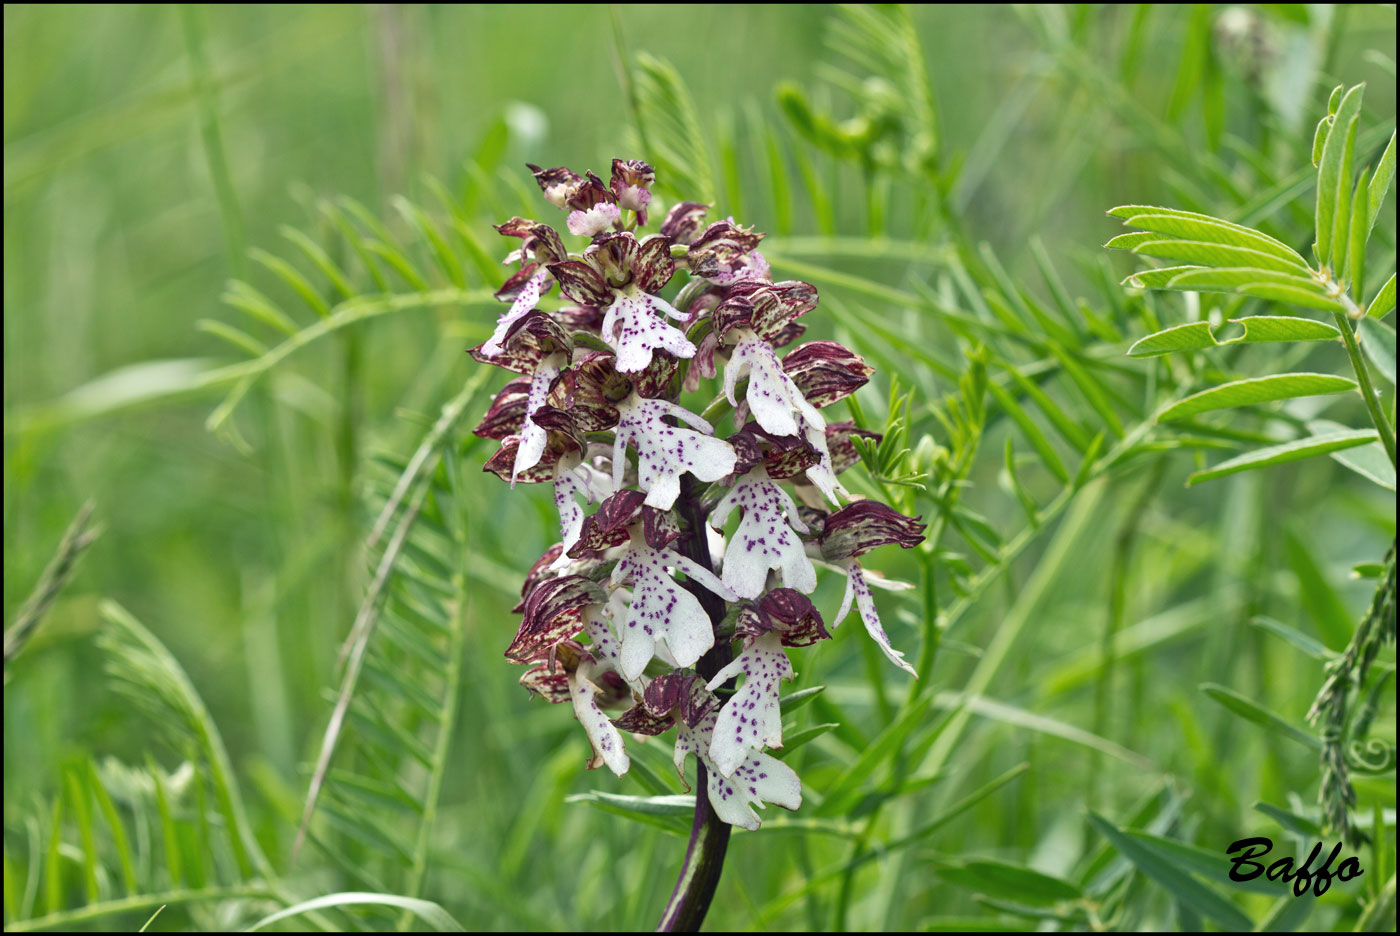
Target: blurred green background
x,y
242,553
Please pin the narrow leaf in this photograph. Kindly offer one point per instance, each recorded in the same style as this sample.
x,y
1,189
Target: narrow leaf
x,y
1384,301
1296,450
1215,231
1252,711
1378,341
1177,882
1012,882
1208,254
1380,183
1329,170
1262,328
1193,336
1256,390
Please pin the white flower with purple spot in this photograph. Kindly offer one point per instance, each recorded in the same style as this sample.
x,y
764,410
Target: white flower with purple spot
x,y
634,330
665,452
766,538
751,718
661,611
757,780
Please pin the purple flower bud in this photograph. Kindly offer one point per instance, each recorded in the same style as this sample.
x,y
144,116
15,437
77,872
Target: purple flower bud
x,y
507,412
782,456
786,611
608,525
718,247
555,183
684,221
550,684
826,372
594,207
631,184
767,308
591,391
539,241
553,613
860,527
680,694
842,449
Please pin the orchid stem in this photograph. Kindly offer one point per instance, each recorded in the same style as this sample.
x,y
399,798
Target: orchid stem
x,y
709,835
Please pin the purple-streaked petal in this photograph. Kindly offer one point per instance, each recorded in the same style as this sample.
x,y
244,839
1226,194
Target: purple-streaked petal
x,y
581,283
751,718
684,221
507,411
639,720
549,683
864,525
826,372
591,391
554,611
652,267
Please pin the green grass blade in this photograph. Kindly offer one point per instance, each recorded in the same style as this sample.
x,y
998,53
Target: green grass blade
x,y
1308,447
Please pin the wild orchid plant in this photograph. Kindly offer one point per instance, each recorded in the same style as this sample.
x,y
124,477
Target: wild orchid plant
x,y
606,623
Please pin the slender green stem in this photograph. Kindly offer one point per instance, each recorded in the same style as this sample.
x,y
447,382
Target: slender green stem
x,y
1363,380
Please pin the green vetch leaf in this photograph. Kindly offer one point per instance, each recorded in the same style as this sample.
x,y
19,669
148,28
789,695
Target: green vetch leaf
x,y
1330,170
1231,279
1193,336
1266,328
1292,295
1324,126
1369,461
1384,300
1256,390
1252,711
1380,183
1178,883
1208,254
1378,341
1215,231
1012,882
1298,449
427,911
